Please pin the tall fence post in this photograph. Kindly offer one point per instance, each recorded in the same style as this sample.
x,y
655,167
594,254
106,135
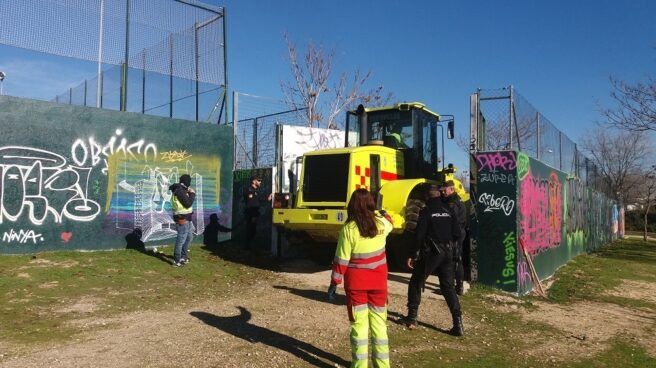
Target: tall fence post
x,y
235,113
143,83
196,64
171,76
560,150
255,151
126,67
510,119
537,140
100,53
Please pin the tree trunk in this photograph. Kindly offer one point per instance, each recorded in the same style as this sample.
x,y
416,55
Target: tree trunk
x,y
644,235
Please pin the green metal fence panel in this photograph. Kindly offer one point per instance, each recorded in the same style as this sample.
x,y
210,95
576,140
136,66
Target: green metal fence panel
x,y
523,202
76,178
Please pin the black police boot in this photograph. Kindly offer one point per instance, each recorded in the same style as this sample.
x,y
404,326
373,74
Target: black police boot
x,y
411,319
458,329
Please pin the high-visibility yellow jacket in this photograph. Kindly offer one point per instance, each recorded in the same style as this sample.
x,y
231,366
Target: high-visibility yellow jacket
x,y
360,261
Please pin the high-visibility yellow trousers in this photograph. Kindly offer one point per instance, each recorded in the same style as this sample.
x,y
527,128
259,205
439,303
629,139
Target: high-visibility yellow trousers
x,y
368,312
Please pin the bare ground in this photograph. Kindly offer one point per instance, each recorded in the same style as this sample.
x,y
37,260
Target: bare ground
x,y
287,323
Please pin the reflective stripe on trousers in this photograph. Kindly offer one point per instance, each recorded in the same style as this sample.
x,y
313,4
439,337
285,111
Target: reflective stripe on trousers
x,y
365,318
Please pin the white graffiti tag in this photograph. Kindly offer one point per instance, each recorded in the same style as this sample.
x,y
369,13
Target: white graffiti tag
x,y
496,178
501,203
22,236
40,184
90,152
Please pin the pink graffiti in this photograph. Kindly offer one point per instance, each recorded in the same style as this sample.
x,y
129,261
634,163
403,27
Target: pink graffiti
x,y
523,275
541,212
494,161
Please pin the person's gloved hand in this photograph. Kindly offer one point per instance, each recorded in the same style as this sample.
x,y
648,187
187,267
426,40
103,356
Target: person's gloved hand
x,y
331,292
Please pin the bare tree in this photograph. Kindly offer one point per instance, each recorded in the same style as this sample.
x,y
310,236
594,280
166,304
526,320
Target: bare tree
x,y
618,155
323,97
636,105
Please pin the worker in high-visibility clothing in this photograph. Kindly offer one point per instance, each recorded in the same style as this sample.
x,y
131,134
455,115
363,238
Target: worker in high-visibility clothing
x,y
360,261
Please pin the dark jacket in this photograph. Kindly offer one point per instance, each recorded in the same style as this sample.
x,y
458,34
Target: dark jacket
x,y
455,203
436,221
253,199
185,197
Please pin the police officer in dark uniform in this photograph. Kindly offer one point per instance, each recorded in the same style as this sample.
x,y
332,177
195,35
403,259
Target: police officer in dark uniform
x,y
437,229
454,202
253,199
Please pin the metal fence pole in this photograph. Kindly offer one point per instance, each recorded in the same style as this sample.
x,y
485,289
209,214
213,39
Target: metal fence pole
x,y
70,96
100,52
510,118
537,118
225,69
235,112
143,83
171,76
254,150
126,67
576,165
560,150
196,64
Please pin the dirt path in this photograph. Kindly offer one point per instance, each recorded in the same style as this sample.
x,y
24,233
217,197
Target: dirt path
x,y
267,326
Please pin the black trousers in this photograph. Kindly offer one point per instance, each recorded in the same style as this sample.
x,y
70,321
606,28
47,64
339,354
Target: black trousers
x,y
457,263
430,262
251,228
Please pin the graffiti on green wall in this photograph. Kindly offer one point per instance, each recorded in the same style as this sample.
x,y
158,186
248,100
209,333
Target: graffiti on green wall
x,y
522,202
495,195
82,178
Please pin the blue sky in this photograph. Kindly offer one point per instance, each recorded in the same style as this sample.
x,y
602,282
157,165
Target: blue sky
x,y
558,54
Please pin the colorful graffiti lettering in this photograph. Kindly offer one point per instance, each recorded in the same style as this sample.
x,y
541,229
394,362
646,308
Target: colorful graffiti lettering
x,y
90,153
40,184
174,156
494,161
21,236
522,165
510,251
540,208
140,198
497,178
524,276
493,203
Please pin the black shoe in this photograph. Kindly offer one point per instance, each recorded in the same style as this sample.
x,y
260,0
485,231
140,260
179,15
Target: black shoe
x,y
460,290
410,320
411,323
458,329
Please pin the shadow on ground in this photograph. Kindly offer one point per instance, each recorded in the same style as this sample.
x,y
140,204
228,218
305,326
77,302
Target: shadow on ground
x,y
399,319
319,296
239,326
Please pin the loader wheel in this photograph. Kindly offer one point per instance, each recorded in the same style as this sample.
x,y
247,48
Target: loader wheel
x,y
412,209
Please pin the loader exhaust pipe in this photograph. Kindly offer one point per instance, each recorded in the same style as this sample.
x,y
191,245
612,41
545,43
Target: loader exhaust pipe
x,y
362,120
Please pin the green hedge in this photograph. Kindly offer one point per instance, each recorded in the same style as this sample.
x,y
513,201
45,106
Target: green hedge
x,y
634,221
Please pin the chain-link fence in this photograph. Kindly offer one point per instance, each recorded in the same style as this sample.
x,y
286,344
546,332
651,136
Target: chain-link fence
x,y
502,119
159,57
255,128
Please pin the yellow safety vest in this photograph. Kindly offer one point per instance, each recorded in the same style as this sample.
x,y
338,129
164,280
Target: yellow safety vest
x,y
178,208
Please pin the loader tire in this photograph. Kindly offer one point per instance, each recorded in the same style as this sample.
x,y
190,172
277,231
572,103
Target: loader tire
x,y
412,208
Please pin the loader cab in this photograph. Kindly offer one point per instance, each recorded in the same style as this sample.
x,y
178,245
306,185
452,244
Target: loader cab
x,y
410,128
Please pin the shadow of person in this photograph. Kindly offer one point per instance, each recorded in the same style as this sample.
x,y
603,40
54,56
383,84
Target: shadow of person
x,y
239,326
211,232
319,296
399,319
133,241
